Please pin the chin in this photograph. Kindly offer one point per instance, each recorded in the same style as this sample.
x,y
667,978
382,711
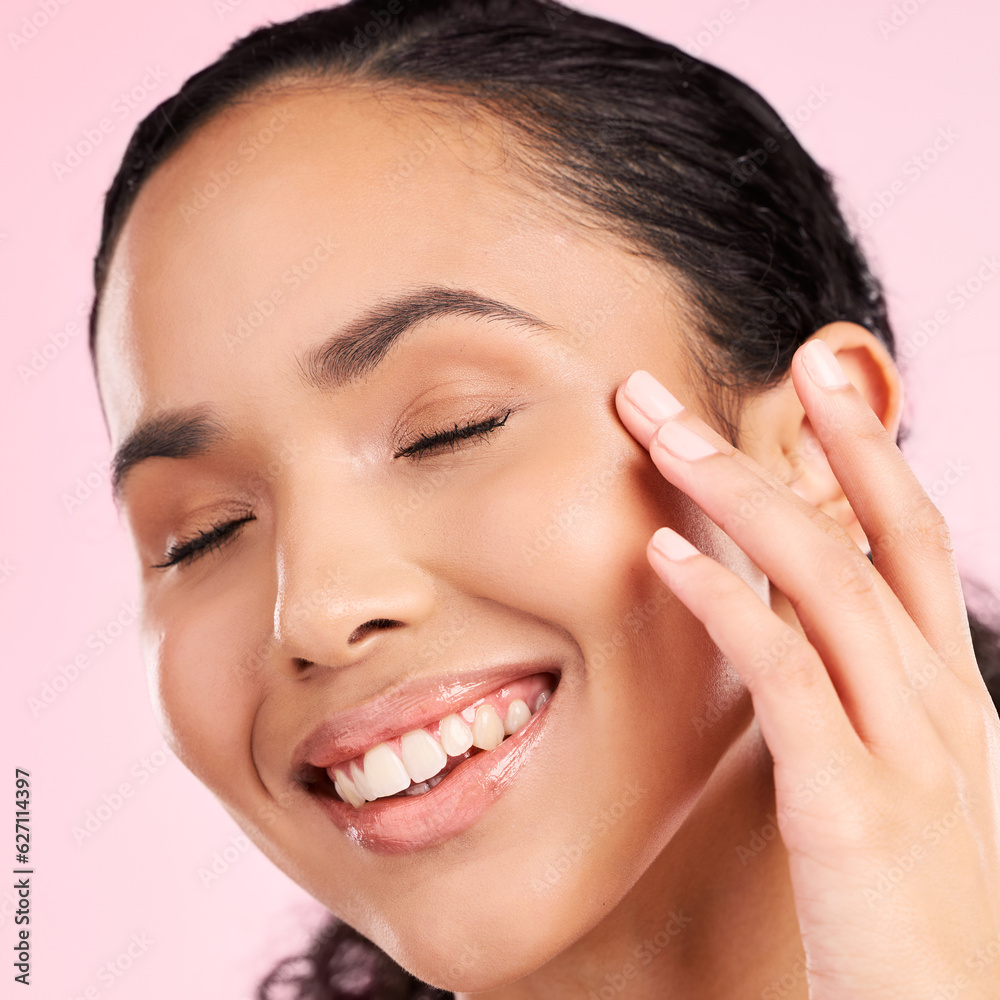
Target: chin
x,y
498,949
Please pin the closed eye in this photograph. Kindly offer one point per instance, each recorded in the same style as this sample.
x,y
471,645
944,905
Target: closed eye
x,y
213,539
432,442
185,552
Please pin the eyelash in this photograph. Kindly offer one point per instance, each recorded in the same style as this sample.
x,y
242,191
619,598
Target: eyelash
x,y
183,553
215,537
429,442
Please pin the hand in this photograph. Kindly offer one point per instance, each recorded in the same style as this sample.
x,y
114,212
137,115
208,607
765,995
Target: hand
x,y
886,744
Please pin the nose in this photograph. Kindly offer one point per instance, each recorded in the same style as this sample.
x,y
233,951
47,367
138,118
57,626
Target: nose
x,y
343,579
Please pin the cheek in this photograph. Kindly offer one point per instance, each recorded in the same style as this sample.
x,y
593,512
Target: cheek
x,y
558,529
204,685
554,524
560,533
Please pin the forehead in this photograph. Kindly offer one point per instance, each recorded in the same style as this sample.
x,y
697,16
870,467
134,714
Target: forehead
x,y
285,215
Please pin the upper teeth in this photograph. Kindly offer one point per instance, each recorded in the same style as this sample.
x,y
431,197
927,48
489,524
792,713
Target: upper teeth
x,y
422,757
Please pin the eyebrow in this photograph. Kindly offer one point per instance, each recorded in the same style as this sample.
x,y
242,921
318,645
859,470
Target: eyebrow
x,y
347,357
177,434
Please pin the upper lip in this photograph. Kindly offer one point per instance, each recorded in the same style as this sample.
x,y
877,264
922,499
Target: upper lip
x,y
405,707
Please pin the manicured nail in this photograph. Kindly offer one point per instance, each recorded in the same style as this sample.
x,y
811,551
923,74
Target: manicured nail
x,y
672,546
682,441
823,367
649,397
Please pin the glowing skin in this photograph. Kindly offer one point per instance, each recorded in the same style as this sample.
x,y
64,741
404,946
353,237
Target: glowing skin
x,y
527,545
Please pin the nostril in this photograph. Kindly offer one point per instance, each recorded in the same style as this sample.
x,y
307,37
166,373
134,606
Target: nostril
x,y
362,630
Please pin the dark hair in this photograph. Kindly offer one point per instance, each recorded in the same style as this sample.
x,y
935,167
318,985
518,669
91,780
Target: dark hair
x,y
687,165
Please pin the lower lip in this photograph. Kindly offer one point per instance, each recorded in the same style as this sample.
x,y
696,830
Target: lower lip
x,y
411,823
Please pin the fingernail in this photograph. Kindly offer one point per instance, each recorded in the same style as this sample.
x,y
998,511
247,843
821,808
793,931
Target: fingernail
x,y
682,441
649,397
823,367
672,546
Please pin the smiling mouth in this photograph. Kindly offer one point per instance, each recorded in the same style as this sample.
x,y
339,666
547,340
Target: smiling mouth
x,y
413,763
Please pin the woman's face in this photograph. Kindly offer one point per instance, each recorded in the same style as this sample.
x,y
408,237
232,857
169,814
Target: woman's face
x,y
377,589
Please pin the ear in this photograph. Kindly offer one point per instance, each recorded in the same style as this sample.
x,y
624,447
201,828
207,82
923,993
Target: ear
x,y
775,431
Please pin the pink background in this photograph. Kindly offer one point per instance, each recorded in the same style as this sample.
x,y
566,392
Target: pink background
x,y
66,569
